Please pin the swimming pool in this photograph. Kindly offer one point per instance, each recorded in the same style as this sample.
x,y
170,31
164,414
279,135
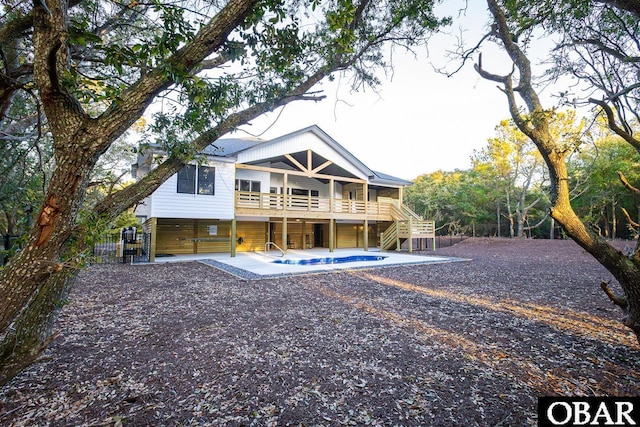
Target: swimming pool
x,y
330,260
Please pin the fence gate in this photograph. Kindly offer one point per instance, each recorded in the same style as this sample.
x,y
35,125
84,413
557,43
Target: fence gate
x,y
129,247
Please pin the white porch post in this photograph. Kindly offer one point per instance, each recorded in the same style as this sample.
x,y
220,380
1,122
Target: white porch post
x,y
154,239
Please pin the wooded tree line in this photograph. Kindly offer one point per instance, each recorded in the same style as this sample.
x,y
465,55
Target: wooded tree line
x,y
506,191
76,75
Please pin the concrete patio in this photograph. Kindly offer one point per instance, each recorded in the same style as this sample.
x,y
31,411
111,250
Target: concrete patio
x,y
256,265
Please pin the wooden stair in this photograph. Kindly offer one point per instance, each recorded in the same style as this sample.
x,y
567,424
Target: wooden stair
x,y
407,225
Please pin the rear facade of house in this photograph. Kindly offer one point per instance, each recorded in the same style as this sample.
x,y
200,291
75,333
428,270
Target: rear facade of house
x,y
298,191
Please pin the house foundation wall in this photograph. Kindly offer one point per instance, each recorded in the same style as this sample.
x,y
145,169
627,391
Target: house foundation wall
x,y
176,236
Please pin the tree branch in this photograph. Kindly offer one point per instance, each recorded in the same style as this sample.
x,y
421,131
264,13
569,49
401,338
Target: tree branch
x,y
611,121
604,48
620,301
121,115
627,185
628,218
628,5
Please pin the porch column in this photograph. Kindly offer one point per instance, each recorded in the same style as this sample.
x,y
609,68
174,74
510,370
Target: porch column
x,y
304,235
154,236
366,235
285,247
365,196
285,201
365,232
332,190
285,192
233,237
410,235
332,233
196,225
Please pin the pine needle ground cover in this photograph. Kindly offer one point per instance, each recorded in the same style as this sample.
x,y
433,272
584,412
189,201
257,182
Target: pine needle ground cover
x,y
466,343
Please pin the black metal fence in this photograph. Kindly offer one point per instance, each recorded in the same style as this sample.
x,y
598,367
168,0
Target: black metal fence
x,y
129,249
107,249
428,244
446,241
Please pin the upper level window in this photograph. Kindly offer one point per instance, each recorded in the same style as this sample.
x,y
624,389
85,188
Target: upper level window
x,y
247,185
187,179
205,179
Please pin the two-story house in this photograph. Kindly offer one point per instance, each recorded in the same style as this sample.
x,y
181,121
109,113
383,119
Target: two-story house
x,y
301,190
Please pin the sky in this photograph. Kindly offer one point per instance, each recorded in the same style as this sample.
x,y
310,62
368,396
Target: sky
x,y
419,121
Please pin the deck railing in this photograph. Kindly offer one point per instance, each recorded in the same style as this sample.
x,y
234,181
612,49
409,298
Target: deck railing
x,y
417,228
279,202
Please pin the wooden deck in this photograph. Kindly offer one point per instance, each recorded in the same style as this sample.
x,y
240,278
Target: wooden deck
x,y
406,224
291,206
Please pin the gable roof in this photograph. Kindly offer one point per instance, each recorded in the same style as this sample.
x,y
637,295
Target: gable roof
x,y
232,147
315,129
373,176
383,178
229,146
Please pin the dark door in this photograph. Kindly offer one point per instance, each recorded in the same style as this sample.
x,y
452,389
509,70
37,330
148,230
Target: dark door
x,y
317,235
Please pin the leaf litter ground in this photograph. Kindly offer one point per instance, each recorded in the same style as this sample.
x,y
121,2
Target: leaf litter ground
x,y
467,343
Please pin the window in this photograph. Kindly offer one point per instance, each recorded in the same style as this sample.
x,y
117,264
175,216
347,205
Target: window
x,y
205,180
187,179
248,185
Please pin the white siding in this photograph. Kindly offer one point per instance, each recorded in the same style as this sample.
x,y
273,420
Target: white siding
x,y
298,143
168,203
144,208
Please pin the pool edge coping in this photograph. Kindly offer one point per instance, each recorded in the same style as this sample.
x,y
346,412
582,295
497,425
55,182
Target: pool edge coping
x,y
249,275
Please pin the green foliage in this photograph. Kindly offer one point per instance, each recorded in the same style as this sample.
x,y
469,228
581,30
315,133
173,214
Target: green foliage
x,y
600,196
278,47
507,177
25,167
456,200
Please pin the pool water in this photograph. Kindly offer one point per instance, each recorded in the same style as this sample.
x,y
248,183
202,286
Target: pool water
x,y
330,260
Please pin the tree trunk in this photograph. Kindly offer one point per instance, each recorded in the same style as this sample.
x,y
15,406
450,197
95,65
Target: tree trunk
x,y
614,220
498,214
34,284
520,225
510,216
625,270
